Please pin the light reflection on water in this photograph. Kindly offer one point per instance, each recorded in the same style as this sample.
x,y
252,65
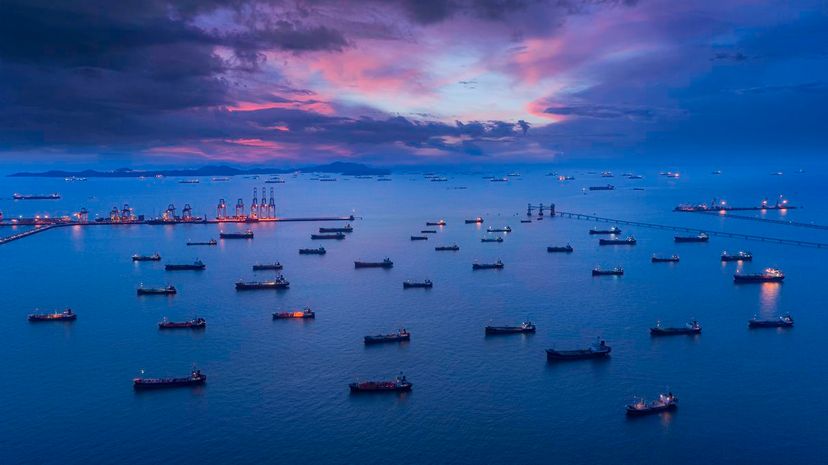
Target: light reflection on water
x,y
769,299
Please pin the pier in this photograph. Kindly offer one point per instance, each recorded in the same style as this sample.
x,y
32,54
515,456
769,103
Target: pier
x,y
641,224
766,220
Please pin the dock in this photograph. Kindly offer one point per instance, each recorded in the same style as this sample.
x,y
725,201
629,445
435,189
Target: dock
x,y
641,224
46,224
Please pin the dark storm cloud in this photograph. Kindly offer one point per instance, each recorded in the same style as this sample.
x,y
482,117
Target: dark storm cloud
x,y
602,111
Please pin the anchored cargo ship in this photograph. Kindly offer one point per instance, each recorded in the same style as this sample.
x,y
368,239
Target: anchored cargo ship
x,y
305,313
195,323
197,265
599,349
278,283
400,384
169,290
196,378
66,315
386,263
770,275
525,327
237,235
400,336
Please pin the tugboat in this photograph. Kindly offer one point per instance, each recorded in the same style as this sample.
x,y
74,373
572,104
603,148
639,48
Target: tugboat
x,y
237,235
504,229
346,229
525,327
386,263
491,239
169,290
628,241
557,249
665,403
418,284
617,271
428,231
419,238
279,283
400,384
612,230
477,220
146,258
770,275
66,315
304,314
267,266
785,321
670,259
443,248
488,266
210,242
195,323
399,336
608,187
737,257
196,378
701,237
319,251
599,349
337,236
692,328
197,265
436,223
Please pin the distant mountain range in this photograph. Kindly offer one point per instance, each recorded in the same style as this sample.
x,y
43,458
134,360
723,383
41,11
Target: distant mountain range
x,y
343,168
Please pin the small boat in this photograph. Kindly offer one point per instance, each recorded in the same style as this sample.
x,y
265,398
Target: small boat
x,y
491,239
319,251
386,263
419,238
477,220
701,237
189,181
488,266
664,403
443,248
612,230
196,378
566,178
220,179
345,229
195,323
336,236
617,271
428,231
267,266
770,275
504,229
737,257
670,259
146,258
399,336
557,249
785,321
66,315
525,221
278,283
628,241
599,349
169,290
305,313
418,284
436,223
197,265
691,328
635,176
36,196
525,327
607,174
210,242
400,384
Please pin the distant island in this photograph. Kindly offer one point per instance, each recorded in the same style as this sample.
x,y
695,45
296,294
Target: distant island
x,y
343,168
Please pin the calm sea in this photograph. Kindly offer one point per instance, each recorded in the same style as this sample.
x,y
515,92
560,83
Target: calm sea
x,y
277,390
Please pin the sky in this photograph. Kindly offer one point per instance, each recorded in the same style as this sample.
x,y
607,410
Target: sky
x,y
408,82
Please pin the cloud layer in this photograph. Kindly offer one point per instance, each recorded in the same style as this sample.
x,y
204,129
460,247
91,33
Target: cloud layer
x,y
406,81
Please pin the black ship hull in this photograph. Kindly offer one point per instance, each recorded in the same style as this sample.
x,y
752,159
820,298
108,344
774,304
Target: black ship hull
x,y
566,355
371,340
674,331
503,330
153,384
